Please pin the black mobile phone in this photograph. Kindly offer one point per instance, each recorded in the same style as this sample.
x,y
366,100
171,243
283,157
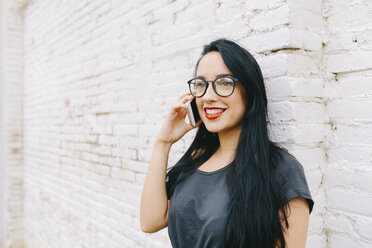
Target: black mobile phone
x,y
192,112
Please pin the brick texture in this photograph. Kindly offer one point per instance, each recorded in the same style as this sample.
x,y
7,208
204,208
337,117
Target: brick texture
x,y
11,178
90,82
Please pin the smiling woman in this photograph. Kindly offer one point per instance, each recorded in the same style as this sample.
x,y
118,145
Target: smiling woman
x,y
220,114
233,187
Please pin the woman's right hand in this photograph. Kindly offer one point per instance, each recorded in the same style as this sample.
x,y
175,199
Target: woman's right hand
x,y
174,127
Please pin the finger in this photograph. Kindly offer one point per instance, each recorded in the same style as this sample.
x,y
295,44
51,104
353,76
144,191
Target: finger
x,y
187,98
184,94
179,106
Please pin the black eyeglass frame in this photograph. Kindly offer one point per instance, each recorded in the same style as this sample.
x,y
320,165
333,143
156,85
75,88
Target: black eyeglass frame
x,y
213,85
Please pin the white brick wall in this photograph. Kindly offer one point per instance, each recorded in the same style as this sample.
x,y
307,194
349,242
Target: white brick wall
x,y
100,76
11,127
3,177
348,173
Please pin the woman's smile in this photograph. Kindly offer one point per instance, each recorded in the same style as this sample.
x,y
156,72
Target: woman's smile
x,y
213,112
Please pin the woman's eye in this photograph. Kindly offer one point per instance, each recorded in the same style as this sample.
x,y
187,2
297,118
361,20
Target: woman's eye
x,y
199,85
225,83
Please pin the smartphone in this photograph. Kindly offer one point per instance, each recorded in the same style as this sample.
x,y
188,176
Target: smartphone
x,y
192,112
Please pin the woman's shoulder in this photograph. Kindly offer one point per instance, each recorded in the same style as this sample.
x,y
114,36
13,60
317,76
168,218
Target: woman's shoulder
x,y
287,163
292,177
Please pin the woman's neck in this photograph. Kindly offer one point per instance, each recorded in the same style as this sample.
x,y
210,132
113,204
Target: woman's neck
x,y
228,142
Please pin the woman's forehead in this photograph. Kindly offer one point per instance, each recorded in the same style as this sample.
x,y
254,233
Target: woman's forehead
x,y
212,65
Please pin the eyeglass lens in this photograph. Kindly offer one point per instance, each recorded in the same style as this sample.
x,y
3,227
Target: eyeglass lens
x,y
222,86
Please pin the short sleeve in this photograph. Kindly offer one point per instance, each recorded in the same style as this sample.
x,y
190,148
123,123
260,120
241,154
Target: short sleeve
x,y
170,187
294,182
170,183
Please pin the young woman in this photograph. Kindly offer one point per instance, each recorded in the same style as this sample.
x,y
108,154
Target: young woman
x,y
233,187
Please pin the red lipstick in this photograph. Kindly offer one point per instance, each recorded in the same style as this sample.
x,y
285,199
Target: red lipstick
x,y
215,115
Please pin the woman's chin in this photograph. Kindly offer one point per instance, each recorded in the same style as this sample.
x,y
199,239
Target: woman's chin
x,y
213,128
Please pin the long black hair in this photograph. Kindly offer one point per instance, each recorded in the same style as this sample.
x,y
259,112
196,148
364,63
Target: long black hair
x,y
256,192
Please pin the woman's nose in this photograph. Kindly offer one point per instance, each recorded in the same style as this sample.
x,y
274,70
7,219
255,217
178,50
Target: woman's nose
x,y
210,94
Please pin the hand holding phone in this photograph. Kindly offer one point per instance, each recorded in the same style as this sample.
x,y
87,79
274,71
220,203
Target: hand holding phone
x,y
192,113
174,125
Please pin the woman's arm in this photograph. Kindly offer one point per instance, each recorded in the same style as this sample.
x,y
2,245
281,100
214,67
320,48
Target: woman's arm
x,y
297,212
154,205
154,201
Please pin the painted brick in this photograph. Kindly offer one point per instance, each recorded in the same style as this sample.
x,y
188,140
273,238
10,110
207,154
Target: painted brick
x,y
305,112
284,87
364,228
307,16
266,20
340,241
350,109
264,5
339,17
350,41
354,87
123,174
338,198
340,224
90,83
349,61
355,179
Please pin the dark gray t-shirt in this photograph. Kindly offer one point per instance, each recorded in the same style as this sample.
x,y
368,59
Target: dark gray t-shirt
x,y
199,205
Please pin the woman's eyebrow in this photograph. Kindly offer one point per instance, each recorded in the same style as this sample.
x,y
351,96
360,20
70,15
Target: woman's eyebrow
x,y
219,75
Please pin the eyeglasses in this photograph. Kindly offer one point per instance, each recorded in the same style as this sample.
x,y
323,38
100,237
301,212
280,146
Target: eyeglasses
x,y
223,86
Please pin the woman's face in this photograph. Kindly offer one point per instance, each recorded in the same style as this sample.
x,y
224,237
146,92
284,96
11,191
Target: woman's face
x,y
233,107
